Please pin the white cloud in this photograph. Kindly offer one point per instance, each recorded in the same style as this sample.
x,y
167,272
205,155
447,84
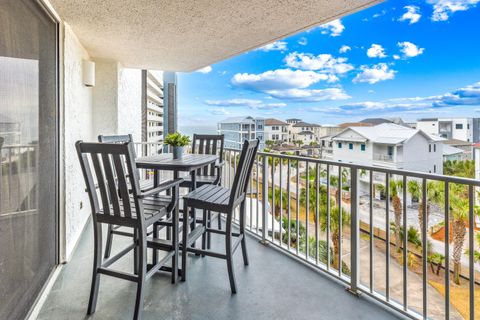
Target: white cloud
x,y
443,9
205,70
274,46
396,56
412,15
333,28
376,51
250,103
234,102
219,111
277,79
374,74
409,49
310,95
344,49
468,96
325,63
302,41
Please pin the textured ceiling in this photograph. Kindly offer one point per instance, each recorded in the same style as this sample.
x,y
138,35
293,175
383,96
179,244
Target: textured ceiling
x,y
181,35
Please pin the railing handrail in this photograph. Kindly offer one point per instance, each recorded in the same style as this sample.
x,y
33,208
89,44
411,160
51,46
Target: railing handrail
x,y
401,172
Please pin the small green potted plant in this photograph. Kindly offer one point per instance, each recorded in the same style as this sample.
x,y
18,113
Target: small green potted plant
x,y
177,141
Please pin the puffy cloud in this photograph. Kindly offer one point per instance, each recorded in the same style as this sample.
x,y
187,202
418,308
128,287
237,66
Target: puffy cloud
x,y
234,102
466,96
250,103
275,46
396,57
219,111
344,49
277,79
310,95
376,51
412,15
374,74
409,49
333,28
443,9
204,70
325,63
302,41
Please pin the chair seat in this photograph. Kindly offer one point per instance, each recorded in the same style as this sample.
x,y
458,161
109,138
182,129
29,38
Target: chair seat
x,y
154,209
209,197
201,180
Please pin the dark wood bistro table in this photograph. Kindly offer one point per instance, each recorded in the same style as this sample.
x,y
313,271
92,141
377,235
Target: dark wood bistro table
x,y
188,163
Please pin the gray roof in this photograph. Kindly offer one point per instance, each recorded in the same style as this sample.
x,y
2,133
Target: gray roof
x,y
448,150
306,132
376,120
388,133
305,124
247,119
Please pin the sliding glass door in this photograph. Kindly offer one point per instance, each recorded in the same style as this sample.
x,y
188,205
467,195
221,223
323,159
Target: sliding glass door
x,y
28,153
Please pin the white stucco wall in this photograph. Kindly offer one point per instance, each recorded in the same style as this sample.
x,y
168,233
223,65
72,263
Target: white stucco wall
x,y
78,125
105,98
130,102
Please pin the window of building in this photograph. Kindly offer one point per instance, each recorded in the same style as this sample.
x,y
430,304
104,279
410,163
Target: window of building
x,y
434,148
434,168
339,145
468,125
362,147
458,126
429,148
350,146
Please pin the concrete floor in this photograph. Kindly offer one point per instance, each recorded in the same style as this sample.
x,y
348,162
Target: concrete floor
x,y
273,286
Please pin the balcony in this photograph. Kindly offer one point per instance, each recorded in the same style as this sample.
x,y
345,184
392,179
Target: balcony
x,y
383,157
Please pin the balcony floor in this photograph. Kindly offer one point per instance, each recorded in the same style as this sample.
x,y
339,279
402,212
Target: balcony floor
x,y
273,286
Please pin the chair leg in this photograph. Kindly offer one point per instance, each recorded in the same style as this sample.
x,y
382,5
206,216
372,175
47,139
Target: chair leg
x,y
108,245
97,262
219,221
242,232
142,271
229,253
135,252
175,235
209,225
185,227
205,233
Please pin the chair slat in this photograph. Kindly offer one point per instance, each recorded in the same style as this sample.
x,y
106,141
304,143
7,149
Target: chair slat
x,y
111,183
122,185
101,183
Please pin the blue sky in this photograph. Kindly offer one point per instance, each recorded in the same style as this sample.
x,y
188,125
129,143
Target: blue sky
x,y
411,59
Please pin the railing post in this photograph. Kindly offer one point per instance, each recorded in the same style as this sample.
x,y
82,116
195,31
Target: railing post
x,y
264,200
354,232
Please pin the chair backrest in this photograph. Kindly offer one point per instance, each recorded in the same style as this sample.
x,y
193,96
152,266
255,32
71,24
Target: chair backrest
x,y
112,166
244,169
120,138
208,144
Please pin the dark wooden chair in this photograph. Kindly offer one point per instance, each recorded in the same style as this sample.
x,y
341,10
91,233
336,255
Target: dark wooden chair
x,y
145,185
112,181
219,199
211,174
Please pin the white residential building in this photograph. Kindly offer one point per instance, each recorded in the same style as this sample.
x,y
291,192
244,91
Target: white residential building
x,y
466,129
389,145
239,129
153,120
303,131
275,130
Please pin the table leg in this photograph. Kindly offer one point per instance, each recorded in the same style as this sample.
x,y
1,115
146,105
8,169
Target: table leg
x,y
193,224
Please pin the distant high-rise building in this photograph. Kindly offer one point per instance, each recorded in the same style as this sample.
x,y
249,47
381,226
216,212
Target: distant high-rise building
x,y
153,117
466,129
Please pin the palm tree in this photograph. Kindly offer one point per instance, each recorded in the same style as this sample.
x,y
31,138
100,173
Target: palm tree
x,y
435,195
334,228
459,206
395,187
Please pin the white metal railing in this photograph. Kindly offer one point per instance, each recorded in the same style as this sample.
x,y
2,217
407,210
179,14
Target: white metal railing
x,y
294,203
383,157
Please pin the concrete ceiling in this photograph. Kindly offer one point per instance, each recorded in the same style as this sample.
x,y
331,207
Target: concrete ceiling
x,y
181,35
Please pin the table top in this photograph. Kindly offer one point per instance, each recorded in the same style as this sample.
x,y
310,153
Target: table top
x,y
165,161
